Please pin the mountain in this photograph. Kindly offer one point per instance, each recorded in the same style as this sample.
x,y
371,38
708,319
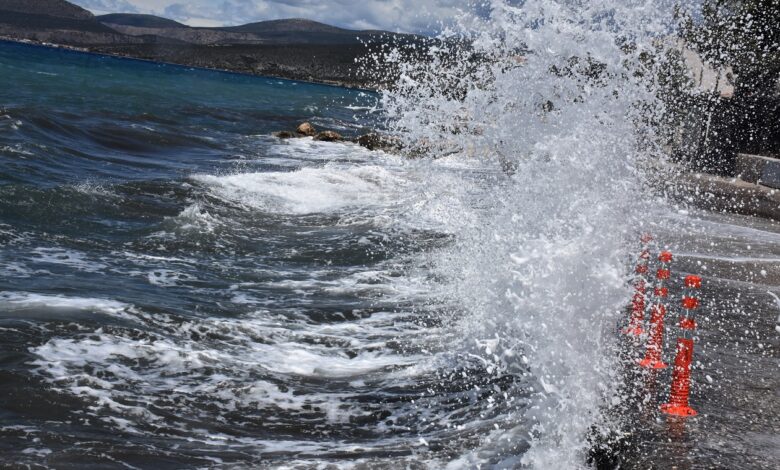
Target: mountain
x,y
292,25
154,26
55,8
302,31
288,31
55,21
139,20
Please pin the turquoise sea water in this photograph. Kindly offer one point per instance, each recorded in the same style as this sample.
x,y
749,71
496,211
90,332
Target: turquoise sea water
x,y
125,119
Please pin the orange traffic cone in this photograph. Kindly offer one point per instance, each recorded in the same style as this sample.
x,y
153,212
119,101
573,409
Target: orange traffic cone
x,y
653,359
681,375
638,301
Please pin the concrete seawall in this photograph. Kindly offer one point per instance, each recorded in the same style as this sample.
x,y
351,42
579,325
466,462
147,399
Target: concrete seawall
x,y
755,192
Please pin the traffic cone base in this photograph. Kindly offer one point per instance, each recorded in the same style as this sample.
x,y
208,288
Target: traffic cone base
x,y
653,363
634,330
681,380
678,410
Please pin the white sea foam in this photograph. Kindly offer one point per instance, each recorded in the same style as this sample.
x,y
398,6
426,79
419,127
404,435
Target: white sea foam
x,y
391,287
17,149
330,188
195,218
127,373
71,258
95,189
17,270
24,300
294,152
167,277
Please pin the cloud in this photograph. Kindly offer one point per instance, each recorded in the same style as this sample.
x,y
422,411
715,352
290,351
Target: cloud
x,y
100,7
395,15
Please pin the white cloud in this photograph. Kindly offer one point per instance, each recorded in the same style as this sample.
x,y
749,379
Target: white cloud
x,y
394,15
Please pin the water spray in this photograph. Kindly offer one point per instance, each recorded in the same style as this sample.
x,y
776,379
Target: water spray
x,y
638,302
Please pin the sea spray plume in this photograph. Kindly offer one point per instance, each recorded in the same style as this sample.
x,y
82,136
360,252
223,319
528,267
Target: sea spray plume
x,y
555,94
457,84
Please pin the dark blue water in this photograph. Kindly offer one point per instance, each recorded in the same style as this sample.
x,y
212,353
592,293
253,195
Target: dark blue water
x,y
179,288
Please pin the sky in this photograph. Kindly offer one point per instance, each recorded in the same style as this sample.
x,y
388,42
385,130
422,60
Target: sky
x,y
411,16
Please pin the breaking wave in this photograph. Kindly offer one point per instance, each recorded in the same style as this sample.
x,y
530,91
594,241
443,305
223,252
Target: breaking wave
x,y
551,98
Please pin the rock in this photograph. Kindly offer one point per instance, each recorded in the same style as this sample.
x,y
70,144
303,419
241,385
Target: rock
x,y
285,134
328,136
306,129
375,141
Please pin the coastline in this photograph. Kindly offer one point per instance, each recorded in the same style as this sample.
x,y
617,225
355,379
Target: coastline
x,y
707,191
91,51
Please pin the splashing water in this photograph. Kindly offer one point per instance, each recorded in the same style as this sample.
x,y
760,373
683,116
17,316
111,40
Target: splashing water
x,y
218,297
549,93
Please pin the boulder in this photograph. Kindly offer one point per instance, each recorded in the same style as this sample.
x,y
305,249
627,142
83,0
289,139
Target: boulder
x,y
328,136
285,134
375,141
306,129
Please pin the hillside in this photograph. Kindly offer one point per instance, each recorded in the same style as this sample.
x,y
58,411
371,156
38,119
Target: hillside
x,y
33,23
291,25
150,25
138,20
55,8
56,21
303,31
288,31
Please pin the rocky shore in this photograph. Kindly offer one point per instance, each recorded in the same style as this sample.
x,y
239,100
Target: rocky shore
x,y
317,63
370,141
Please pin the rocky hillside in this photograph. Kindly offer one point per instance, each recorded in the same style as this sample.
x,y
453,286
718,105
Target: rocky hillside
x,y
140,21
55,8
289,31
55,21
301,31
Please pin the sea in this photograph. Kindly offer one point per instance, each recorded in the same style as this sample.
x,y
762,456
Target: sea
x,y
180,288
